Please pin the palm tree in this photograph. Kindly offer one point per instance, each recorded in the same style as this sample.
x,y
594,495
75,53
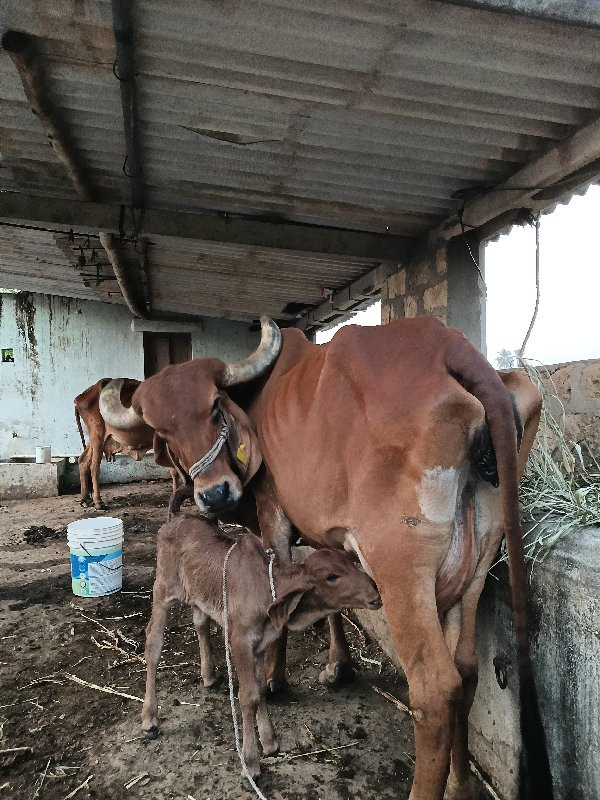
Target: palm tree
x,y
506,359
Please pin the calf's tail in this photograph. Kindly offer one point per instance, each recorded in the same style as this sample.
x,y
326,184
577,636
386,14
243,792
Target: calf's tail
x,y
480,379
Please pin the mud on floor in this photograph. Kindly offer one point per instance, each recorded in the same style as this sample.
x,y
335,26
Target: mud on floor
x,y
57,735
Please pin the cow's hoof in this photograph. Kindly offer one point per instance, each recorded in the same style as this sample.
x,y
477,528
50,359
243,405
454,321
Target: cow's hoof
x,y
100,506
85,502
271,748
151,733
337,674
277,687
465,790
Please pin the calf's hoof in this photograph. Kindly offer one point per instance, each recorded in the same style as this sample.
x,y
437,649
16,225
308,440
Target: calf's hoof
x,y
213,684
271,748
337,674
151,733
253,768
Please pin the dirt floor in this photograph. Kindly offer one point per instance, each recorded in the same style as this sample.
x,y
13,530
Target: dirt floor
x,y
56,734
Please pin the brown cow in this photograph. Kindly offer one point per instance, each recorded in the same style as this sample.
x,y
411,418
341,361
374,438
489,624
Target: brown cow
x,y
107,440
391,442
190,553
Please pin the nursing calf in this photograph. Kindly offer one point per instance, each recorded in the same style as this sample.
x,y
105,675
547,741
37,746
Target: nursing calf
x,y
190,556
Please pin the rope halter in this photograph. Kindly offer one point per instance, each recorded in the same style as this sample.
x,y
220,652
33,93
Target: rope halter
x,y
202,464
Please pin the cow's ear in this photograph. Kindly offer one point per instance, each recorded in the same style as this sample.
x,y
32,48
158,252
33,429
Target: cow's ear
x,y
282,609
243,441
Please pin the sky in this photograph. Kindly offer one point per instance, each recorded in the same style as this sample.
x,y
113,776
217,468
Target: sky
x,y
567,327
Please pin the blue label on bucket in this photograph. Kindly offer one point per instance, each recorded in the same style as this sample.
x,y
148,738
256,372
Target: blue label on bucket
x,y
97,574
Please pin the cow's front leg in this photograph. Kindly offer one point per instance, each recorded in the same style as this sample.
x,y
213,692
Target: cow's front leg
x,y
339,665
276,533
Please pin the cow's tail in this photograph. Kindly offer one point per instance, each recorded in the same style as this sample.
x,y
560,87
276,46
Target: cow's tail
x,y
78,421
474,372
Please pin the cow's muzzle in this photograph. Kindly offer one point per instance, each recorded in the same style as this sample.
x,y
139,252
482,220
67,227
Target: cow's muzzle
x,y
218,499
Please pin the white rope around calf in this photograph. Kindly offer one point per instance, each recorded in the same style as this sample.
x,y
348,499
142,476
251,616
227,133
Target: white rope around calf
x,y
236,729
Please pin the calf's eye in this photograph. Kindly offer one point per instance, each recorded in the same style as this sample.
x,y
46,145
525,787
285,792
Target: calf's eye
x,y
332,577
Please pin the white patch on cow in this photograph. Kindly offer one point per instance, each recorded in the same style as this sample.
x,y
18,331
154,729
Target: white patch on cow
x,y
350,543
437,493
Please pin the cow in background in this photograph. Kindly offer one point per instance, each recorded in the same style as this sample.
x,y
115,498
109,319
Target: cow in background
x,y
104,439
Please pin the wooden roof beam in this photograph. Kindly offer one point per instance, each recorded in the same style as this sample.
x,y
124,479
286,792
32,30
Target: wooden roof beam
x,y
25,56
22,209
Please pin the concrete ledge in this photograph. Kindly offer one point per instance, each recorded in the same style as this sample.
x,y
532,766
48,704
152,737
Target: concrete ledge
x,y
564,601
123,470
21,478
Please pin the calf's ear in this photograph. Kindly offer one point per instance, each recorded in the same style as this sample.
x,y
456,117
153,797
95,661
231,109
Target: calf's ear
x,y
243,442
282,609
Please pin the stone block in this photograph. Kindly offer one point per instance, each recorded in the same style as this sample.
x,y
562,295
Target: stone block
x,y
411,306
589,383
396,284
436,297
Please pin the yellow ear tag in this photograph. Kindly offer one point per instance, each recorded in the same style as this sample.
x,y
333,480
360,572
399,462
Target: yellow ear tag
x,y
242,455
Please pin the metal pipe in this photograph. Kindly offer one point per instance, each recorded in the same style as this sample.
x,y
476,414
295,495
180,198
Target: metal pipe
x,y
125,73
120,269
23,52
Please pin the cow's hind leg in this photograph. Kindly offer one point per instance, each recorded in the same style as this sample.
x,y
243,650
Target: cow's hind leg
x,y
95,470
461,632
405,570
85,460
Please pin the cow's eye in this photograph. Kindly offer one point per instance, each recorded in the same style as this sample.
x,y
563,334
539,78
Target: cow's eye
x,y
332,577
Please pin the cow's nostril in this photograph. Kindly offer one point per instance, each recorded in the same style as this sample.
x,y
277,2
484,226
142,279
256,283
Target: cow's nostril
x,y
216,495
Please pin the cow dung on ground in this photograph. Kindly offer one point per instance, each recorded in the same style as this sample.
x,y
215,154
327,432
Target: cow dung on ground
x,y
74,731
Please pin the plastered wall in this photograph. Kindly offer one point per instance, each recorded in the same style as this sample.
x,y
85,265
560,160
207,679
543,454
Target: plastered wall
x,y
61,346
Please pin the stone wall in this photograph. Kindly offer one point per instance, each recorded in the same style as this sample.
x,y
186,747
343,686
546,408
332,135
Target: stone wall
x,y
443,283
577,385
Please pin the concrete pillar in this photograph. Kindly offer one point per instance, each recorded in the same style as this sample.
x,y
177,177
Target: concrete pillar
x,y
443,283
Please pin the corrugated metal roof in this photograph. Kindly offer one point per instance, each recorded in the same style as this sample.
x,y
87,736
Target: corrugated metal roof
x,y
358,114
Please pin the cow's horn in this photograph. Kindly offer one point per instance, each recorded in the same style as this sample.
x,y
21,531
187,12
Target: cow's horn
x,y
260,360
112,409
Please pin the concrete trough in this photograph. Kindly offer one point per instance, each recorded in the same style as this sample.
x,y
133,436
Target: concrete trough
x,y
21,478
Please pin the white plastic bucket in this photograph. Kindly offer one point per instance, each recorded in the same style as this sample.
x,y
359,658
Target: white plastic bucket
x,y
43,455
96,546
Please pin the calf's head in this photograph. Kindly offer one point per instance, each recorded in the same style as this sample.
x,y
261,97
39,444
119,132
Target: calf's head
x,y
330,581
198,426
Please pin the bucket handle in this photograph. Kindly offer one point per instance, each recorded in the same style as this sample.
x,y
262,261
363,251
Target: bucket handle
x,y
110,569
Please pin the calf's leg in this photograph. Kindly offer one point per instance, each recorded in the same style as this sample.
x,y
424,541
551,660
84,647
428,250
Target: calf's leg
x,y
207,665
154,642
95,471
245,658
